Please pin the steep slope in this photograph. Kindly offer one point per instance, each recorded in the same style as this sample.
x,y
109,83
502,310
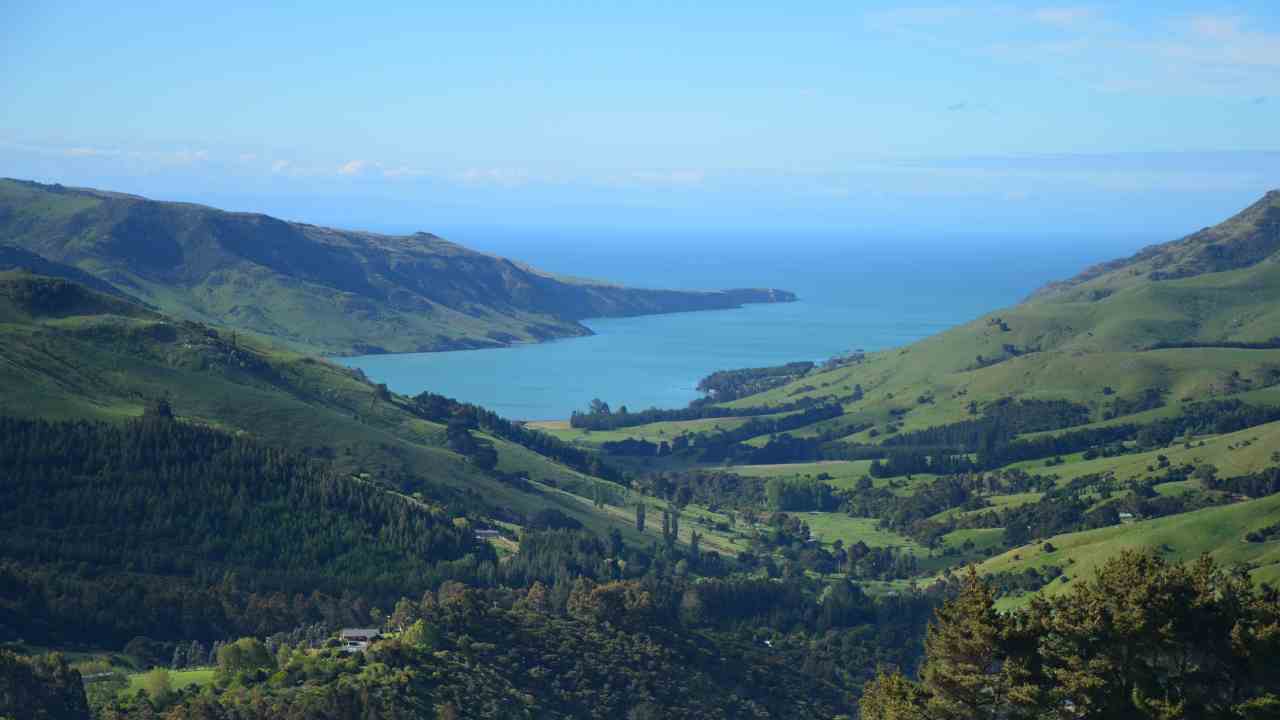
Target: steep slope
x,y
1251,236
1134,407
316,288
69,353
141,521
1104,340
1216,531
15,258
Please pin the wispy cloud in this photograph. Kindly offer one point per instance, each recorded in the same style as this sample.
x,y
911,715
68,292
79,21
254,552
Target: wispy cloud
x,y
353,167
1065,17
89,152
401,171
1224,41
913,17
501,177
1208,55
666,178
189,157
995,177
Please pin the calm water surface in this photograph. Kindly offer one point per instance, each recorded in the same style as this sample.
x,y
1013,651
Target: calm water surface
x,y
854,295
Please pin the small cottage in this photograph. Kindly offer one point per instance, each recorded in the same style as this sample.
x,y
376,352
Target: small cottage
x,y
358,639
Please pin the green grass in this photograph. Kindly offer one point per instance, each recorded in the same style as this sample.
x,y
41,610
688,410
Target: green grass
x,y
1238,453
108,366
982,538
178,679
652,432
1084,347
830,527
1217,531
844,473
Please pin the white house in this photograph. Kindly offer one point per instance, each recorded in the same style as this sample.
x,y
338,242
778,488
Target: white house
x,y
358,639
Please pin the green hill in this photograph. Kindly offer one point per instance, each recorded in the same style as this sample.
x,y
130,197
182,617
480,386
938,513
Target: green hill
x,y
1196,318
1250,237
315,288
1218,532
175,531
1133,406
70,353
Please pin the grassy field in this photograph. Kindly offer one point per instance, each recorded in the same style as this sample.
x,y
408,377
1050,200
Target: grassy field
x,y
1217,531
178,679
1237,453
844,473
829,527
653,432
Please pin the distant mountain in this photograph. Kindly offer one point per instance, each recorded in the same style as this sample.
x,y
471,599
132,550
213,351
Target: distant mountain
x,y
315,288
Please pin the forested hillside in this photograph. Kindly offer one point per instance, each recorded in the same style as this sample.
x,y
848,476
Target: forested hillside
x,y
173,531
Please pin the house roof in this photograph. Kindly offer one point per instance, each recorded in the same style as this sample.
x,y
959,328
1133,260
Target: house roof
x,y
360,632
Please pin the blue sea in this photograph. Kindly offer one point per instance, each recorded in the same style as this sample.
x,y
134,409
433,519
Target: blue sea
x,y
855,292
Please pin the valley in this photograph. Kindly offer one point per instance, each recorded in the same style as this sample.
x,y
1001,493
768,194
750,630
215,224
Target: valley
x,y
806,519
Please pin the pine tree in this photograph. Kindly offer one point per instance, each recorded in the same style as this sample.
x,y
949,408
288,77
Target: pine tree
x,y
963,673
891,696
179,660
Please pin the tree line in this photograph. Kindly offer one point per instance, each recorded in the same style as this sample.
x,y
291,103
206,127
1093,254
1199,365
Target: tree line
x,y
601,417
1144,638
110,531
463,417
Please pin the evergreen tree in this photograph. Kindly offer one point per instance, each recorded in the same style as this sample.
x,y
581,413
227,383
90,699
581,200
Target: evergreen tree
x,y
179,657
891,696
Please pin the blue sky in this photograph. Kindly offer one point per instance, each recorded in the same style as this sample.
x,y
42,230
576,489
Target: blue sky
x,y
1119,117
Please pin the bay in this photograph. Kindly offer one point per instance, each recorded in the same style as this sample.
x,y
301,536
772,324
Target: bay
x,y
854,293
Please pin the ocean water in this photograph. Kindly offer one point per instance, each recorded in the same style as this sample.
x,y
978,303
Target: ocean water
x,y
855,293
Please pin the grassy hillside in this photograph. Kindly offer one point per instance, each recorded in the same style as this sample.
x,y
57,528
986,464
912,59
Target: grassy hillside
x,y
314,288
1139,398
1250,237
67,352
1171,320
1218,531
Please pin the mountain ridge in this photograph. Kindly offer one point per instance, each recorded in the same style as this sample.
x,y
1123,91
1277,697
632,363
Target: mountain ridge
x,y
1247,238
316,288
